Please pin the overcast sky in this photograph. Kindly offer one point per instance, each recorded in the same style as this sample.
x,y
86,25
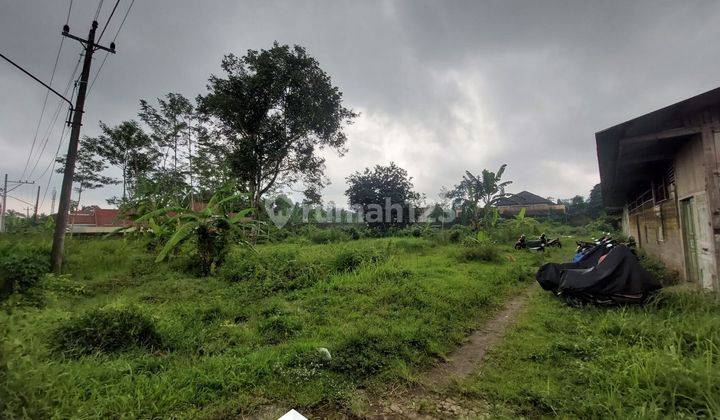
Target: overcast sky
x,y
442,86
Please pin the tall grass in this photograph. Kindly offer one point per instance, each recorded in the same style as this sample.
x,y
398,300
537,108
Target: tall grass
x,y
224,346
661,360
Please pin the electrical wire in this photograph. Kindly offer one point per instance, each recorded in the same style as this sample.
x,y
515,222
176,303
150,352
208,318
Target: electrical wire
x,y
51,125
108,20
127,12
97,12
52,170
47,95
20,200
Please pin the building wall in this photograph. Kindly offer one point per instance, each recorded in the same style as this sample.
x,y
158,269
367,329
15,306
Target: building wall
x,y
658,227
689,173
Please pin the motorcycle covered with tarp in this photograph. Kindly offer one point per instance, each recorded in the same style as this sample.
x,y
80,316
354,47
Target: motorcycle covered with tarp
x,y
606,273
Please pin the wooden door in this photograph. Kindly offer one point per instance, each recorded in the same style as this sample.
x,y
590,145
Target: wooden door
x,y
690,239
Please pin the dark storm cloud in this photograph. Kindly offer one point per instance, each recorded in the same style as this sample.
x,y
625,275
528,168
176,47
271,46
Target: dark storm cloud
x,y
442,86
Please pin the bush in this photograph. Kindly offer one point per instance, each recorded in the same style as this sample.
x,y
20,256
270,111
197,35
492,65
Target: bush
x,y
658,270
279,328
455,236
326,235
347,260
105,330
354,233
289,269
481,251
363,354
22,266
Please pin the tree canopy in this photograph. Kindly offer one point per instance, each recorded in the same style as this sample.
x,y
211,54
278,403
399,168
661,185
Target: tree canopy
x,y
272,111
375,192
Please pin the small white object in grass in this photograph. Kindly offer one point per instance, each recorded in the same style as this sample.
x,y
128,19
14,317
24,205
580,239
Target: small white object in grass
x,y
292,415
324,354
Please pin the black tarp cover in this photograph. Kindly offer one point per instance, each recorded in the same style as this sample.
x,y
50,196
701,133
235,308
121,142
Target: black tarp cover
x,y
618,276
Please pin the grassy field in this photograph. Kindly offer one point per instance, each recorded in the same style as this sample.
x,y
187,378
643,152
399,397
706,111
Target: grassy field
x,y
661,360
120,334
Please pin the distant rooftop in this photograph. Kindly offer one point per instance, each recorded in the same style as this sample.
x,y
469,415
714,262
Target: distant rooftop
x,y
524,198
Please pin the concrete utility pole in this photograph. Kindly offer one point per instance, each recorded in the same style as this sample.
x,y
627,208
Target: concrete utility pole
x,y
5,192
4,204
52,202
37,202
56,256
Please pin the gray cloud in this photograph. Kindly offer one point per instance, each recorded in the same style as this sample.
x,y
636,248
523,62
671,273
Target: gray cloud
x,y
442,86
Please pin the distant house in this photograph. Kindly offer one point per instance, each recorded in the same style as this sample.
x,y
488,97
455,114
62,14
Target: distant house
x,y
533,204
96,220
662,170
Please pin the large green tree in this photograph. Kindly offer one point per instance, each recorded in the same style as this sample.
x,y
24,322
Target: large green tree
x,y
89,169
170,123
384,195
273,110
129,148
172,126
595,205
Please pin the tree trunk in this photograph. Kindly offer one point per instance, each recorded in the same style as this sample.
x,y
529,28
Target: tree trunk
x,y
124,175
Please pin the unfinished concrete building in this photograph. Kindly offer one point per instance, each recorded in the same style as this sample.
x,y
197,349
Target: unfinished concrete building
x,y
662,170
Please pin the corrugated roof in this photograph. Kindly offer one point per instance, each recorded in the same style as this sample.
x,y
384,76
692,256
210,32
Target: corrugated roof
x,y
617,185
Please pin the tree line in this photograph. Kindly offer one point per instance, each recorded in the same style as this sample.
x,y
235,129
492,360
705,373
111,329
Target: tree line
x,y
260,126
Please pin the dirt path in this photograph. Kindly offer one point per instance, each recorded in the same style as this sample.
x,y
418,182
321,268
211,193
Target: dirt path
x,y
426,401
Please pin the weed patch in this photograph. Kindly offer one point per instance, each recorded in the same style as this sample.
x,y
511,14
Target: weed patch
x,y
105,330
483,251
22,266
660,360
279,328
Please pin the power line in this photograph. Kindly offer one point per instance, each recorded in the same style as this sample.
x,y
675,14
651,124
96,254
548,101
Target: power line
x,y
20,200
108,20
42,111
67,19
127,12
52,166
97,12
53,121
52,162
47,94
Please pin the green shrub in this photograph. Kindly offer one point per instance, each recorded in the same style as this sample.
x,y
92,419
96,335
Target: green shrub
x,y
411,245
362,354
354,233
243,264
455,236
326,235
347,260
105,330
686,301
481,251
520,272
658,270
22,266
292,275
279,328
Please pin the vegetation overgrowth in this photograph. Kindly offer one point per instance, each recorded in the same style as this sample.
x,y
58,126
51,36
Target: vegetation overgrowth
x,y
120,333
660,360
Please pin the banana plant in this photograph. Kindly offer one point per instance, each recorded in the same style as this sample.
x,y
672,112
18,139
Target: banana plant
x,y
212,228
524,224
